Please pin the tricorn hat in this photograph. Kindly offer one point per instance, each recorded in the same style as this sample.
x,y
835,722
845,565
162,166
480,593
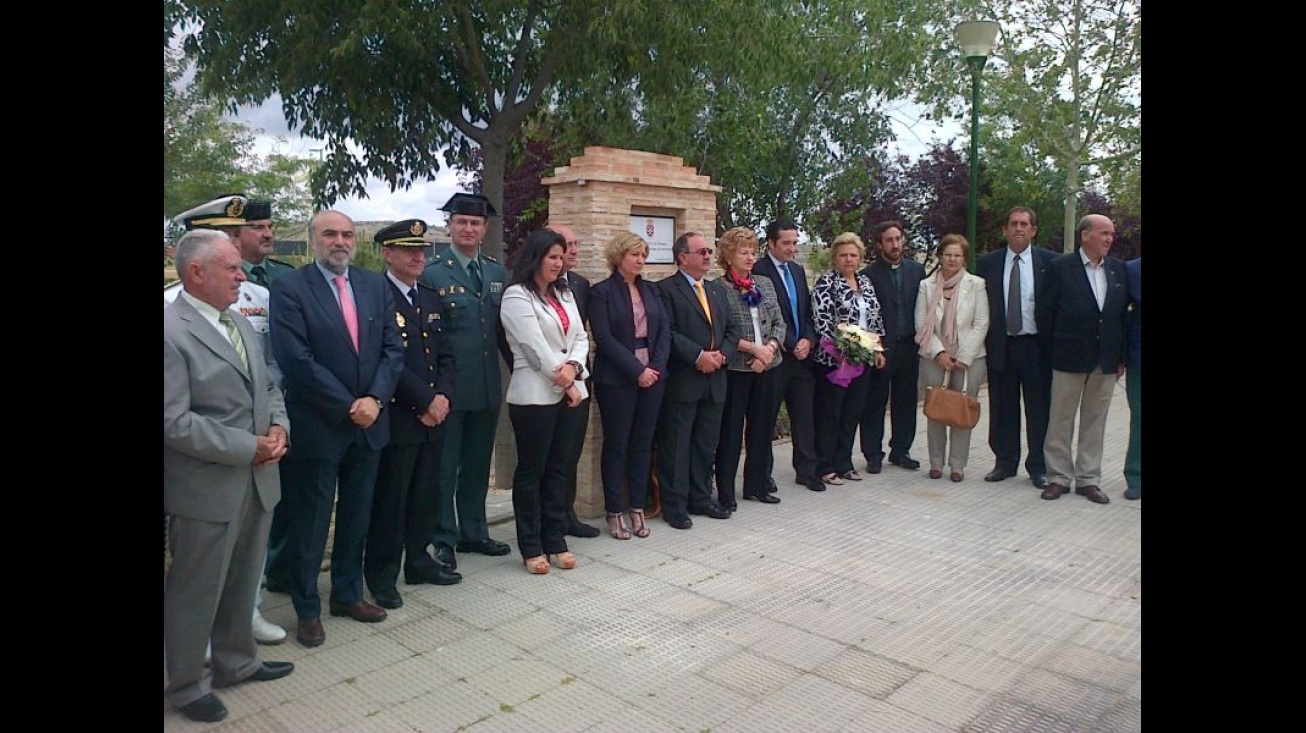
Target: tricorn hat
x,y
469,203
258,210
406,233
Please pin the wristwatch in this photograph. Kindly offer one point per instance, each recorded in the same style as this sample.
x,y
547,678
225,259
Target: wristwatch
x,y
580,370
379,404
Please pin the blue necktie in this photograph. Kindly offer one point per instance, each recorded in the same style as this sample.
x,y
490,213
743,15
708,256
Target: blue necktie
x,y
793,293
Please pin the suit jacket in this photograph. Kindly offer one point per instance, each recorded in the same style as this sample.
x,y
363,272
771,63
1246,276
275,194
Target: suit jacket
x,y
691,333
1134,271
803,327
213,407
768,314
881,274
612,319
580,288
972,318
991,267
323,375
1084,338
534,332
471,325
429,366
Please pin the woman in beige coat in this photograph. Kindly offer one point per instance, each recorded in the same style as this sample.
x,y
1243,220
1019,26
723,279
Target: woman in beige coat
x,y
952,319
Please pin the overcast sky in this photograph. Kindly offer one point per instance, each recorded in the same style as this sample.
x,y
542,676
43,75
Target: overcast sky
x,y
424,199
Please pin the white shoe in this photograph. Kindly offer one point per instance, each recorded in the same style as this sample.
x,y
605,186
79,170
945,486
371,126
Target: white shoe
x,y
266,632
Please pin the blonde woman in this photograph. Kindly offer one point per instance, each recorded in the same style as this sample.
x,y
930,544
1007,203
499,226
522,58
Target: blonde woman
x,y
952,319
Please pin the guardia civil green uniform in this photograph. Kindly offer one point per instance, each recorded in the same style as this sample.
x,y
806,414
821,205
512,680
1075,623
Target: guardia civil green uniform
x,y
470,316
266,272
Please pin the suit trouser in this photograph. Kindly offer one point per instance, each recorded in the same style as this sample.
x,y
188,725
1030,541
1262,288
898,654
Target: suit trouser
x,y
209,594
796,387
687,436
544,436
465,476
577,447
1134,455
403,511
838,410
630,417
1089,396
312,486
893,388
1026,374
939,436
744,421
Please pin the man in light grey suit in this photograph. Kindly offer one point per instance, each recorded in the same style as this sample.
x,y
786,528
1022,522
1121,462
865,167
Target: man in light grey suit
x,y
224,430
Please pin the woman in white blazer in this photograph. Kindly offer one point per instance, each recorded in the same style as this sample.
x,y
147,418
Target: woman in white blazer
x,y
952,319
549,346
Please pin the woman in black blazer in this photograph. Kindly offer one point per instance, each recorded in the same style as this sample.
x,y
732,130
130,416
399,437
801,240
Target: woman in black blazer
x,y
632,340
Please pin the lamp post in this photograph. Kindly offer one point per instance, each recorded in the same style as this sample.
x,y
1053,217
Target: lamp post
x,y
976,38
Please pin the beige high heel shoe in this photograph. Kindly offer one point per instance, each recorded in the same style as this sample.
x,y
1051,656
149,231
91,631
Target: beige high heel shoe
x,y
617,528
565,560
538,565
637,526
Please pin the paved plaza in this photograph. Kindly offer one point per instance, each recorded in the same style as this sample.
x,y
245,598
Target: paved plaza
x,y
898,604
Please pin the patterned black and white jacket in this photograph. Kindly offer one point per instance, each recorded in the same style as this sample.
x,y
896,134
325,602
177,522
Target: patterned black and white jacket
x,y
835,302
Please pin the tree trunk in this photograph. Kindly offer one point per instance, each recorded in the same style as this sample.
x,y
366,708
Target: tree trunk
x,y
1072,199
495,152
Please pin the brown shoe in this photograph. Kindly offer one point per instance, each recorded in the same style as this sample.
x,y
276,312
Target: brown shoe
x,y
1054,491
360,611
957,476
936,473
1094,494
310,632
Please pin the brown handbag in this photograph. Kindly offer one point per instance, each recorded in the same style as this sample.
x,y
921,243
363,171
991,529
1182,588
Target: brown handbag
x,y
952,407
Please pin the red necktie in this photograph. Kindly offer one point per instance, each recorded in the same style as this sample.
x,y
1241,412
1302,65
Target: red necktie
x,y
347,307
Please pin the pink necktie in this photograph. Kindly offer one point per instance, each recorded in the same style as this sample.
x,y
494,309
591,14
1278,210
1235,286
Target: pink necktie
x,y
347,307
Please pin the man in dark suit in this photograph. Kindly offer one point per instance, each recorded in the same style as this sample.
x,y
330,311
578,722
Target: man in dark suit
x,y
796,383
1017,356
1134,382
470,286
224,430
580,289
702,340
1083,312
897,280
335,338
404,503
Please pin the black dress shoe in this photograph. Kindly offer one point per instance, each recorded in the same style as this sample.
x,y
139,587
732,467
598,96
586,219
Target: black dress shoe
x,y
310,632
435,573
874,466
358,611
268,672
1054,491
764,498
1094,494
493,548
771,488
276,585
388,599
207,709
905,461
733,507
1040,480
999,474
685,523
814,484
444,555
712,511
580,529
1134,493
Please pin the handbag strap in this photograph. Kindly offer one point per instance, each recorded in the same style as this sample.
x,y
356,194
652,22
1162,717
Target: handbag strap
x,y
947,374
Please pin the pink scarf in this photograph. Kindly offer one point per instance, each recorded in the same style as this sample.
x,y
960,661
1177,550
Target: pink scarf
x,y
949,330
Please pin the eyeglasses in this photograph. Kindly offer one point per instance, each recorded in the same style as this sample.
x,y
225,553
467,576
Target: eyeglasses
x,y
705,252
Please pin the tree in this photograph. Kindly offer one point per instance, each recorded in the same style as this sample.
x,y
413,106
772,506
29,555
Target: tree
x,y
1069,90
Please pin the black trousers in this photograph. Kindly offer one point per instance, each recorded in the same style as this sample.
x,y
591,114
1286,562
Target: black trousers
x,y
749,396
838,412
796,387
1028,375
404,509
578,446
687,437
630,418
892,388
544,436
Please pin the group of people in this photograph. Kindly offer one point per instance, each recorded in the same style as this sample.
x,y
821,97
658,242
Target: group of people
x,y
391,383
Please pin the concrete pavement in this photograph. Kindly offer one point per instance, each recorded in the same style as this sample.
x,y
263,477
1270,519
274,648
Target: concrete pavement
x,y
897,604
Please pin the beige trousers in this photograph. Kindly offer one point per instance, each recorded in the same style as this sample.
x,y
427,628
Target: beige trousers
x,y
943,442
1089,396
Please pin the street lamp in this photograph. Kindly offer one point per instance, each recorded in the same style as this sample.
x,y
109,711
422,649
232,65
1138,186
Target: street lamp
x,y
976,38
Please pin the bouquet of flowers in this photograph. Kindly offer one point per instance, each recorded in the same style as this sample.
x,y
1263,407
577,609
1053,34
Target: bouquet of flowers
x,y
853,347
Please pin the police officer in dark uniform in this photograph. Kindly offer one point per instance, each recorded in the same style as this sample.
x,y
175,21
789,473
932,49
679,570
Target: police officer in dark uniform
x,y
404,504
257,242
470,286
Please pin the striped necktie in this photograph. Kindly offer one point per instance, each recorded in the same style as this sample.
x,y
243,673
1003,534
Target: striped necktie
x,y
237,342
